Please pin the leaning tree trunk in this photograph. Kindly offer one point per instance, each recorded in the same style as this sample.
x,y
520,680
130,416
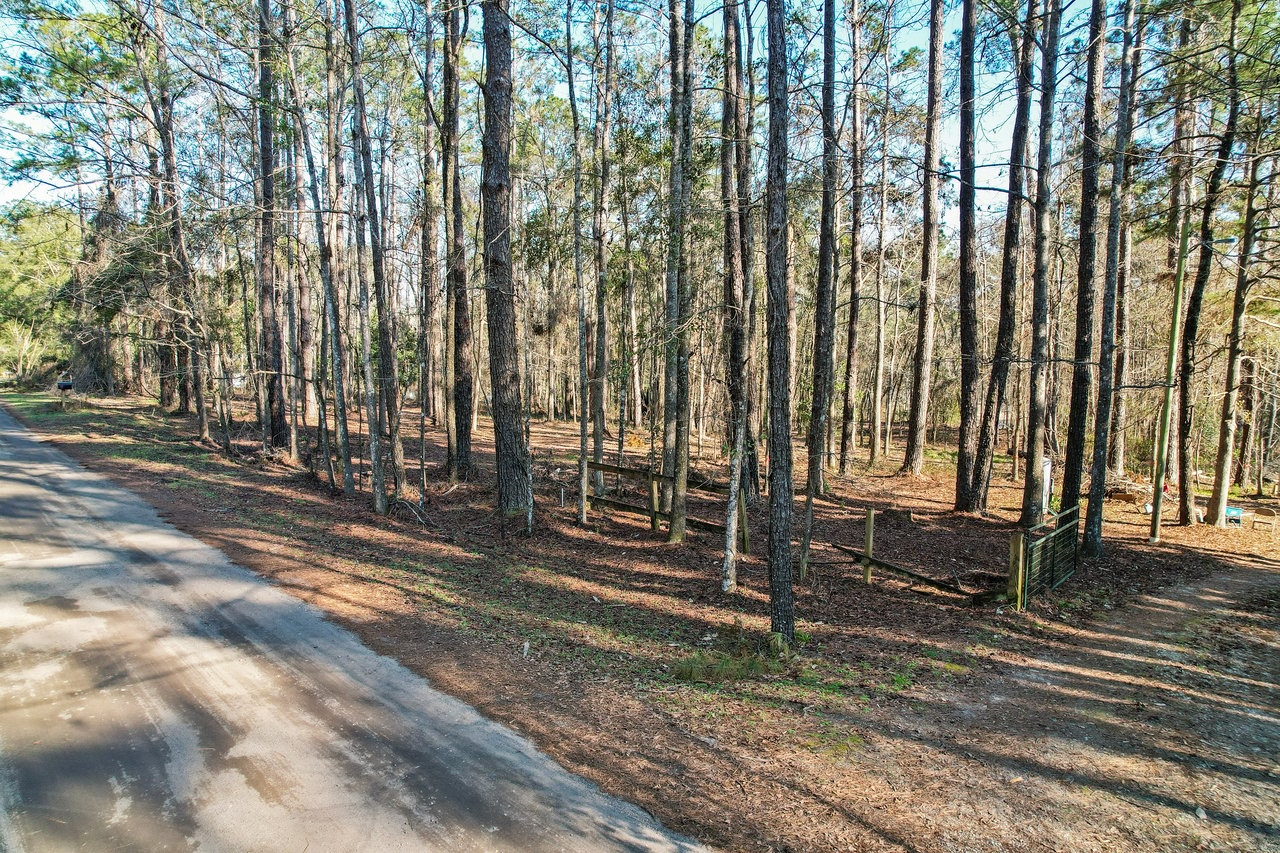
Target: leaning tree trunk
x,y
1191,328
334,338
1217,514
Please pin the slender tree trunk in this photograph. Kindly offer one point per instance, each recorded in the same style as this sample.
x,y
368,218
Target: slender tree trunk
x,y
429,235
849,410
184,283
459,348
1117,214
966,498
1191,328
824,295
604,99
731,128
388,358
1217,514
277,428
781,603
921,378
336,351
879,440
504,361
1248,394
1086,270
306,378
378,485
675,244
579,284
746,114
1033,507
684,289
1120,413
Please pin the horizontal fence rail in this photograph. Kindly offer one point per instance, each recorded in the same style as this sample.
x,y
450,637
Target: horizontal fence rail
x,y
653,510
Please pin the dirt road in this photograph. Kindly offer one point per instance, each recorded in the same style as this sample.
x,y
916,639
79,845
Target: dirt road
x,y
155,696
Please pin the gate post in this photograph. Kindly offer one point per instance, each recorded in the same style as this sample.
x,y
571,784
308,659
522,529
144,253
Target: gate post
x,y
1017,567
868,543
653,503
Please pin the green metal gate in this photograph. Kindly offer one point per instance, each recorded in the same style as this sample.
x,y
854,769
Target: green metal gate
x,y
1044,556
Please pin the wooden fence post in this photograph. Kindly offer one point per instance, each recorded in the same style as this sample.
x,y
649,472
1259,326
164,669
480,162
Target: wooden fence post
x,y
1016,569
744,536
653,503
868,544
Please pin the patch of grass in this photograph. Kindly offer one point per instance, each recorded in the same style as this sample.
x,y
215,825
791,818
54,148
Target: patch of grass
x,y
736,659
711,667
834,741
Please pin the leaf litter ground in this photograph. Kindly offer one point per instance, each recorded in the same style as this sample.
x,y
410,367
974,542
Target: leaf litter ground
x,y
1134,709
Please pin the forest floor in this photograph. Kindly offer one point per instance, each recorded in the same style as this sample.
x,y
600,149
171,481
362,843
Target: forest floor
x,y
1135,708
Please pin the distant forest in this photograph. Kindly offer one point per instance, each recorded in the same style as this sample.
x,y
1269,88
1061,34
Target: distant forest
x,y
1005,231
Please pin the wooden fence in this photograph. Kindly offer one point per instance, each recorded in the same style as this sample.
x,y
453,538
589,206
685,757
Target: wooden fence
x,y
653,507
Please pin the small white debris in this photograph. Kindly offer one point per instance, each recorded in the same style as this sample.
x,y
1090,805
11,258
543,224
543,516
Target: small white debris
x,y
524,650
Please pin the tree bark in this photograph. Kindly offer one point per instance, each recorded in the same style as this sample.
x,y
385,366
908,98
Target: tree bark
x,y
182,280
1248,394
504,360
781,603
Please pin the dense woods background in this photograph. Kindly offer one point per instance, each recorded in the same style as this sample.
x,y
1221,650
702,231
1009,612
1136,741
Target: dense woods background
x,y
880,229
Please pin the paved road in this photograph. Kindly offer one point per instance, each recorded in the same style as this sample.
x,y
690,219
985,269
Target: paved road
x,y
155,696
